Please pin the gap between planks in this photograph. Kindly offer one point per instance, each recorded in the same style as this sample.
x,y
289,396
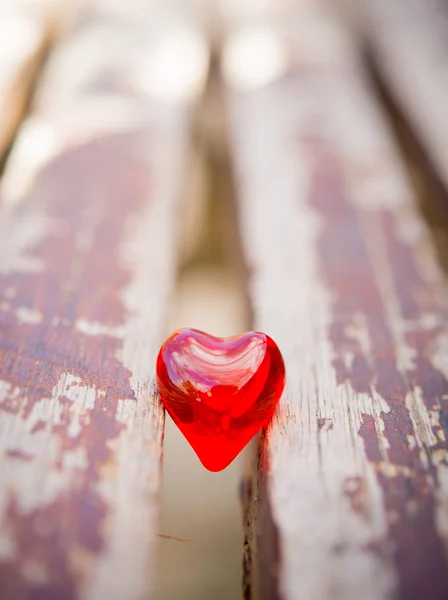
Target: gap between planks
x,y
27,30
406,43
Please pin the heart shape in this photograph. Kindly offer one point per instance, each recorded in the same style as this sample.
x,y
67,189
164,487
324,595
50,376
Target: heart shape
x,y
219,391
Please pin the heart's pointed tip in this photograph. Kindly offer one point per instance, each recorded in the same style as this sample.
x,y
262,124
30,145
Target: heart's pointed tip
x,y
215,461
216,468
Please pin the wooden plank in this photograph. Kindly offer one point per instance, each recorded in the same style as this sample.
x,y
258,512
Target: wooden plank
x,y
407,42
87,260
26,29
350,498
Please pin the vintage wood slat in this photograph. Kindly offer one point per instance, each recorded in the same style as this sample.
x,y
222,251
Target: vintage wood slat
x,y
88,221
350,498
26,29
407,42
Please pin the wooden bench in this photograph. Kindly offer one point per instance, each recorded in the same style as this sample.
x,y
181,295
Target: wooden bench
x,y
346,498
349,498
88,230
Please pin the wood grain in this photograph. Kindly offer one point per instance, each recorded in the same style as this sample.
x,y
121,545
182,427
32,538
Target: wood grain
x,y
407,43
88,230
26,30
350,498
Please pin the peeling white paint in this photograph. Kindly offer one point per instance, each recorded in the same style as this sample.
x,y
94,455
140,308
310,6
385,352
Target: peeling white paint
x,y
95,328
28,315
424,434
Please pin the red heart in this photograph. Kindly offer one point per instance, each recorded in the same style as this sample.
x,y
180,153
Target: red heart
x,y
219,391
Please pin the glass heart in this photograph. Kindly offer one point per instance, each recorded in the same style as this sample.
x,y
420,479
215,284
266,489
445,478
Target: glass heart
x,y
219,391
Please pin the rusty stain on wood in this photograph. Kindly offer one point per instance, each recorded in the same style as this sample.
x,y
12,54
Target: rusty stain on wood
x,y
324,424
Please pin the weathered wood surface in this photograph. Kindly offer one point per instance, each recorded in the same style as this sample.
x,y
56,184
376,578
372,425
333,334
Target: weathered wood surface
x,y
350,499
88,228
26,29
407,42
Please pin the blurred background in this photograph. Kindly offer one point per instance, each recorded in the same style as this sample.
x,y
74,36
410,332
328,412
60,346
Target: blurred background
x,y
201,537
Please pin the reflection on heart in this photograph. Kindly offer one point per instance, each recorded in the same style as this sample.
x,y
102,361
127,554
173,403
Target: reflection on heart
x,y
219,391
